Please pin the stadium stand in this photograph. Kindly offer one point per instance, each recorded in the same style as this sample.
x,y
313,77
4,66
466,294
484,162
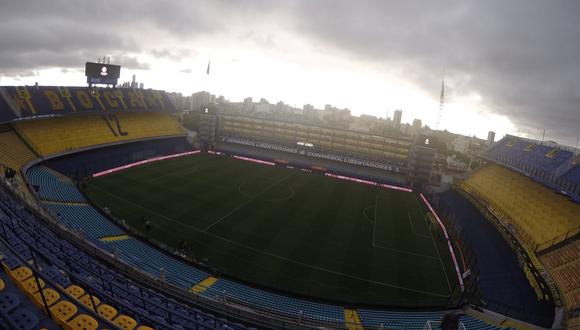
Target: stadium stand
x,y
275,302
84,164
13,152
540,216
501,281
563,264
553,165
82,217
65,134
401,320
84,281
16,310
85,219
530,152
154,262
573,175
93,274
52,186
84,289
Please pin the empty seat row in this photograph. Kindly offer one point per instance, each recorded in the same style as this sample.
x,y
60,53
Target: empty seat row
x,y
110,292
52,186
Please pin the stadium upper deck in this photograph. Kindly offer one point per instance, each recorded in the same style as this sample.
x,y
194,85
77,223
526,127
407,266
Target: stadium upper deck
x,y
54,120
21,102
555,166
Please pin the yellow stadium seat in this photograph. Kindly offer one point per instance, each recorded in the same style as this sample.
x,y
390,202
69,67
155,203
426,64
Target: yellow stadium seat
x,y
30,287
21,273
75,291
62,134
540,216
14,153
82,322
106,311
89,301
125,322
63,311
50,296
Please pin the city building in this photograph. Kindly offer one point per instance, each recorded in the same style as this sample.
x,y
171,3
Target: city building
x,y
490,138
416,128
248,104
200,100
397,118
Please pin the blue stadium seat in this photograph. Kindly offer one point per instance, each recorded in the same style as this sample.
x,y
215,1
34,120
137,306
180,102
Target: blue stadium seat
x,y
85,219
53,187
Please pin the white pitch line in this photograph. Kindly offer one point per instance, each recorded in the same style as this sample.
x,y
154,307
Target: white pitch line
x,y
439,255
247,203
406,252
375,218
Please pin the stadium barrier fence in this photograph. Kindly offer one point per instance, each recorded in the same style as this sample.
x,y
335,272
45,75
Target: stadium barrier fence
x,y
142,162
454,258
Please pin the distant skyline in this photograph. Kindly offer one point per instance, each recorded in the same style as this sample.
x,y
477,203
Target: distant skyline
x,y
510,67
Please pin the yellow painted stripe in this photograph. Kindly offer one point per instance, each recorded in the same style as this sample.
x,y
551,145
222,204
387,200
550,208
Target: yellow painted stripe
x,y
113,238
203,285
351,320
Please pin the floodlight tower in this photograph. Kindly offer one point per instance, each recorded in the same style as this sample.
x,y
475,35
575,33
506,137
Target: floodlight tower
x,y
441,102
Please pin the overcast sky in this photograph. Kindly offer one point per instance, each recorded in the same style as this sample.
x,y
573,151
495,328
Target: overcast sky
x,y
509,66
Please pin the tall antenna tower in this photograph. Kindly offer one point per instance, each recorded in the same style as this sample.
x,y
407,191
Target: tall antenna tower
x,y
441,102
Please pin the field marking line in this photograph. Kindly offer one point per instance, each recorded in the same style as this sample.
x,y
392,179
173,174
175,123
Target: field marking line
x,y
413,227
411,222
427,221
406,252
439,255
248,202
275,255
389,248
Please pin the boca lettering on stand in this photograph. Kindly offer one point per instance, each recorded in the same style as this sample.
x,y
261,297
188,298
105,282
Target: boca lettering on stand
x,y
48,100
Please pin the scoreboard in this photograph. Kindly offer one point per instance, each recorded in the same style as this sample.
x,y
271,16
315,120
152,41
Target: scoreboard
x,y
100,73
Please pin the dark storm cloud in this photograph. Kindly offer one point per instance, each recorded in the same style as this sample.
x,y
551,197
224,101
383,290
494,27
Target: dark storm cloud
x,y
44,34
522,57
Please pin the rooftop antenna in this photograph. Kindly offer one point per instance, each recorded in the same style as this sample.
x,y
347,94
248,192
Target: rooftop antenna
x,y
441,102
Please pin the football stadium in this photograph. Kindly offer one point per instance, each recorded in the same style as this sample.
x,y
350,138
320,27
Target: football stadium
x,y
289,165
114,215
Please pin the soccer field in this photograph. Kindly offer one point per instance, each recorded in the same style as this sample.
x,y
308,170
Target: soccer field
x,y
286,229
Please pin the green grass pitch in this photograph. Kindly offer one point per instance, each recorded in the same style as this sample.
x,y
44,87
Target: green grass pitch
x,y
286,229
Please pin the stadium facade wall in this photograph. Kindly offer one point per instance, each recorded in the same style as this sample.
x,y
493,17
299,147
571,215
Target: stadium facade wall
x,y
311,163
